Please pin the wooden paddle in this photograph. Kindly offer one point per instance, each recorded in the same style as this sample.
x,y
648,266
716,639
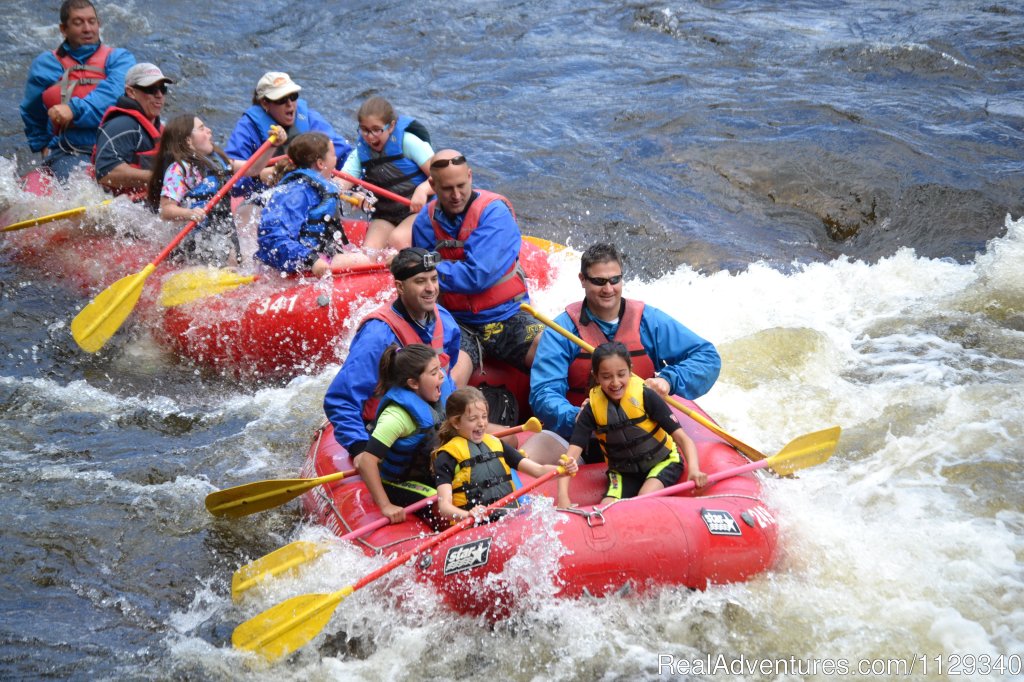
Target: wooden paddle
x,y
292,555
105,314
197,283
751,452
41,220
290,625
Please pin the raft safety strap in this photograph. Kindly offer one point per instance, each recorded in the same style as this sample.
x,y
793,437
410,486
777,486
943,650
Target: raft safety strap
x,y
702,497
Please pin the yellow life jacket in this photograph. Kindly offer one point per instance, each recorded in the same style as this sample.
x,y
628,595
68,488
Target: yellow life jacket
x,y
631,441
481,477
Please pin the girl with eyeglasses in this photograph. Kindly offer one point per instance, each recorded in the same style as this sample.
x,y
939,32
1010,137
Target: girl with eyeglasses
x,y
391,152
188,170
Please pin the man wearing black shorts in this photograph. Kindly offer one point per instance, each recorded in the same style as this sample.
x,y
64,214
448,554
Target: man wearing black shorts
x,y
482,283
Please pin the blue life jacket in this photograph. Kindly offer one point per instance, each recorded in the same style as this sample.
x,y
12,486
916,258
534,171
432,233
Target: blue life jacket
x,y
390,168
204,191
411,454
214,239
324,219
263,121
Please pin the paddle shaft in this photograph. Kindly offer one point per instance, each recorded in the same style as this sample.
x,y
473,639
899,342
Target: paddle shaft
x,y
380,191
32,222
712,478
358,268
747,450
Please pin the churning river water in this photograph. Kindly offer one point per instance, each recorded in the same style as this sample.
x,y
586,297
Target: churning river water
x,y
829,191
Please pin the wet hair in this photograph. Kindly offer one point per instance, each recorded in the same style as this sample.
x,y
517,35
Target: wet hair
x,y
599,253
303,152
458,402
376,106
399,364
68,5
603,352
173,146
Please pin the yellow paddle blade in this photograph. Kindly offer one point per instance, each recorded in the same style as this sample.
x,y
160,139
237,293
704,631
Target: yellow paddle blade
x,y
805,451
42,220
288,626
105,314
260,496
546,245
278,562
191,285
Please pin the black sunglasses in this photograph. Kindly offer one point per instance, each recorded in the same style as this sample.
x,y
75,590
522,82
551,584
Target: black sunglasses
x,y
152,89
601,281
287,98
444,163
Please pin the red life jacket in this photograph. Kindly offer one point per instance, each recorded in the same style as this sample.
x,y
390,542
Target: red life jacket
x,y
151,130
628,333
511,286
78,80
407,335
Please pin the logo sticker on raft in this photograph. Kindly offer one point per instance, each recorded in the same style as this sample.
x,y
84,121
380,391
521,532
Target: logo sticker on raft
x,y
720,522
467,556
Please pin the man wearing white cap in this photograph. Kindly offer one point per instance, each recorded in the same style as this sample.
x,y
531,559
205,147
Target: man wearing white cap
x,y
276,101
130,131
69,88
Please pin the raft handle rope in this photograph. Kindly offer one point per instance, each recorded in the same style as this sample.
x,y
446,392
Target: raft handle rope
x,y
702,497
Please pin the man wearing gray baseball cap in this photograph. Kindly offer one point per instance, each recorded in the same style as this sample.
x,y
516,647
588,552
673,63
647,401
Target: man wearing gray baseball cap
x,y
130,130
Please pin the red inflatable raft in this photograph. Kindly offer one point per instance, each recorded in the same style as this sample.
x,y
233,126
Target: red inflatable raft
x,y
724,533
279,325
271,328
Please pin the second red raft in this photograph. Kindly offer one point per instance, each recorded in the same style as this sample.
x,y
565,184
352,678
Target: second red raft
x,y
724,533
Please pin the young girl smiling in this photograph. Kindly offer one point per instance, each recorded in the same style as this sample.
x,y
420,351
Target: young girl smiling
x,y
473,468
392,152
637,432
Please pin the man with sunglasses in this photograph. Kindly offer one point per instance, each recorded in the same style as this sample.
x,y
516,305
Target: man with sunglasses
x,y
130,130
412,317
69,88
482,283
671,358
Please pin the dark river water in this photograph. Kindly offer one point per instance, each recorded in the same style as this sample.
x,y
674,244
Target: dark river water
x,y
831,192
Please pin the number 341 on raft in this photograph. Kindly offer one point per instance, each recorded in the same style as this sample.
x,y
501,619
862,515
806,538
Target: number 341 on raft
x,y
277,304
